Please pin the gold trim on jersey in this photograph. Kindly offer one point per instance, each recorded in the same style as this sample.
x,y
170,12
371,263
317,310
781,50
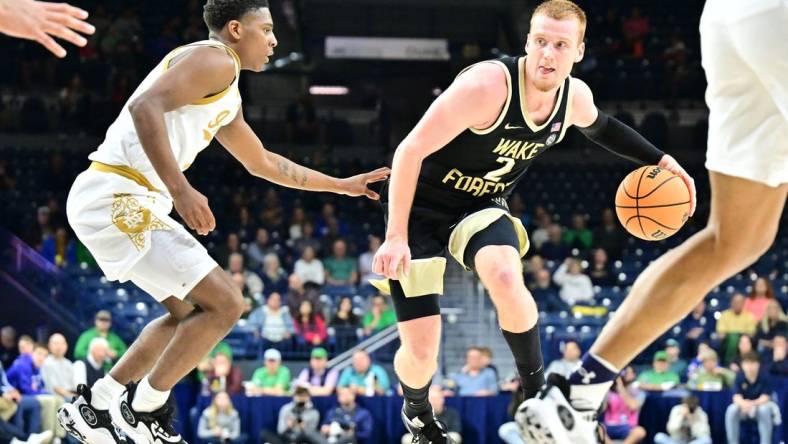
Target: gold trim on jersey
x,y
425,277
524,105
127,172
216,96
568,114
505,109
478,221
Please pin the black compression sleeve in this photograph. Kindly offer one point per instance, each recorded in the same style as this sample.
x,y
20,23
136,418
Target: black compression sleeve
x,y
622,140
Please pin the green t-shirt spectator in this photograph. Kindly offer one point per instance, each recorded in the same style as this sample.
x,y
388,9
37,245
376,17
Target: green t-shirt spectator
x,y
281,378
579,238
340,269
658,378
387,318
115,343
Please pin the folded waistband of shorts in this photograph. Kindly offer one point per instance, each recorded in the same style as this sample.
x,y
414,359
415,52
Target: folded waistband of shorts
x,y
127,172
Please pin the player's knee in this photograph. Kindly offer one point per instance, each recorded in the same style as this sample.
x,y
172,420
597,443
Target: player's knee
x,y
503,281
425,355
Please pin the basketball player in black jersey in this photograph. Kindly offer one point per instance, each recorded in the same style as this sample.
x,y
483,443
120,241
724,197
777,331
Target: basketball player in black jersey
x,y
40,21
450,179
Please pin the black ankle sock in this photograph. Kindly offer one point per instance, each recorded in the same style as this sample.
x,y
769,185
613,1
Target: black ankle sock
x,y
526,348
416,400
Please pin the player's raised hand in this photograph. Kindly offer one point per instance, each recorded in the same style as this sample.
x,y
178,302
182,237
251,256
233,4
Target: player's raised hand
x,y
670,164
40,21
390,256
358,185
193,208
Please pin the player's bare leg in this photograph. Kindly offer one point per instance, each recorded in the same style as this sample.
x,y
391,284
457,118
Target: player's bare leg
x,y
500,270
742,226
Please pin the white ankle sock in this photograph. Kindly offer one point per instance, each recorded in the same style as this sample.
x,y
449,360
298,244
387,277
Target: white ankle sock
x,y
104,391
147,398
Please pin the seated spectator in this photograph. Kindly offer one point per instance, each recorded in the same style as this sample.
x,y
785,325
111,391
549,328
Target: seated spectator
x,y
745,345
58,371
272,214
298,421
297,219
309,268
220,422
25,376
309,326
26,345
579,236
316,377
447,415
344,316
8,348
624,402
273,321
341,270
348,423
751,401
697,326
687,424
259,249
223,377
307,239
92,368
271,379
297,293
102,328
600,272
24,412
474,379
554,249
363,377
659,378
532,267
380,317
571,357
759,298
779,365
274,277
59,249
252,281
487,360
546,294
610,236
574,285
774,322
540,235
677,365
244,226
733,322
365,263
222,252
710,377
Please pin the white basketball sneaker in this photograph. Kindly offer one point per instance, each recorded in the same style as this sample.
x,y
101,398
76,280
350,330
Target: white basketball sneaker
x,y
86,423
144,427
550,418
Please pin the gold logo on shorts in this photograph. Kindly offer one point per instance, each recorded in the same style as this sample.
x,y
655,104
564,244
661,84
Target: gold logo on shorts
x,y
133,219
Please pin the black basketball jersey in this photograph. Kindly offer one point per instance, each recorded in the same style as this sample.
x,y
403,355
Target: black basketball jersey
x,y
480,165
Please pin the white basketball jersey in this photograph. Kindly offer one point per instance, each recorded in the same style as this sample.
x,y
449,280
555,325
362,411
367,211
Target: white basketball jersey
x,y
190,128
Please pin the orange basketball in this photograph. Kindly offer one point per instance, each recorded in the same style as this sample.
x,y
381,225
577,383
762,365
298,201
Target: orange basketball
x,y
652,203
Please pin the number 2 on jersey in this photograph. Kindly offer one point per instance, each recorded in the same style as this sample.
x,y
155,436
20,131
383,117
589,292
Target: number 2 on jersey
x,y
497,175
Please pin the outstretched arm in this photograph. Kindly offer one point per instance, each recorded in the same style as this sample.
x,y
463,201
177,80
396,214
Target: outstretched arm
x,y
241,141
39,21
620,139
474,100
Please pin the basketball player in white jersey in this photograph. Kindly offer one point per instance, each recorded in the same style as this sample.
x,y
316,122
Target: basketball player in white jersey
x,y
119,208
39,21
746,64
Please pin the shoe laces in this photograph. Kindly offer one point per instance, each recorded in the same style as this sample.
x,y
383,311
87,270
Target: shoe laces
x,y
433,432
164,416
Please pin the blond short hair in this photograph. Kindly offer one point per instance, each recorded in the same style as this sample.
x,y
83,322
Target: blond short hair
x,y
562,10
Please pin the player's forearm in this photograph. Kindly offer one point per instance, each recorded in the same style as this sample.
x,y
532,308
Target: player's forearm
x,y
148,120
404,176
620,139
285,172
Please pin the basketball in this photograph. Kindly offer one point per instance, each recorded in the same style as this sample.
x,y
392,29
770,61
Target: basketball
x,y
652,203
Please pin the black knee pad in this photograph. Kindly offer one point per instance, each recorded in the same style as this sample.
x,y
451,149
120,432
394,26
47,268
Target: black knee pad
x,y
500,232
414,307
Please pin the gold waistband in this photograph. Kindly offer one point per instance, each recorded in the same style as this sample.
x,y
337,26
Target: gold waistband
x,y
127,172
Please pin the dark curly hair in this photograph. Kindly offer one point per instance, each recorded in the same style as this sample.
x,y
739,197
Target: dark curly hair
x,y
218,12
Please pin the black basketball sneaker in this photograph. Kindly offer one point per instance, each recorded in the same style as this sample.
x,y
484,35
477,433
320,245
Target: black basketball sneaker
x,y
433,432
144,427
86,423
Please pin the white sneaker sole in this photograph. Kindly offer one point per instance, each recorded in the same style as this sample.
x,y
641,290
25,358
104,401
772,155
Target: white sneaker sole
x,y
72,421
540,423
131,432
